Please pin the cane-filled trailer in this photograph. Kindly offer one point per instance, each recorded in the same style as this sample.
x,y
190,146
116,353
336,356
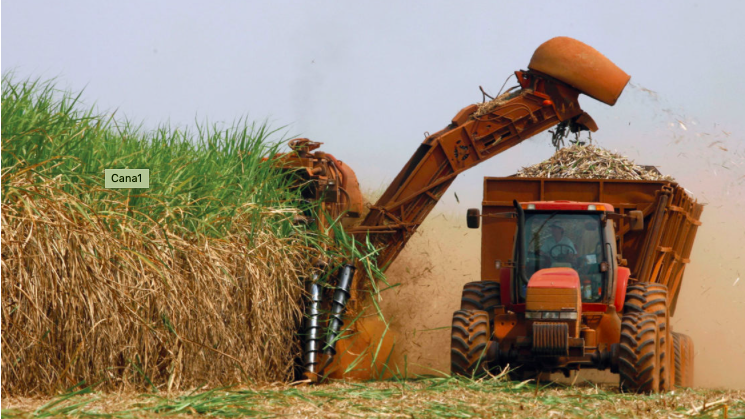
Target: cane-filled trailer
x,y
579,273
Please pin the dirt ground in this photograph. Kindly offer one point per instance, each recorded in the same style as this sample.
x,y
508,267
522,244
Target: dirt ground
x,y
445,254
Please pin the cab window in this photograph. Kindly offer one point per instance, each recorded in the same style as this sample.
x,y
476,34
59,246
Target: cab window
x,y
571,240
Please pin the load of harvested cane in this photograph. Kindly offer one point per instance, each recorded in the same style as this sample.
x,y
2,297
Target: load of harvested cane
x,y
591,162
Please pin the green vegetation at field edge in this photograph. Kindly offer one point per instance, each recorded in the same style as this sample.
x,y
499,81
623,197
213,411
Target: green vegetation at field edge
x,y
423,397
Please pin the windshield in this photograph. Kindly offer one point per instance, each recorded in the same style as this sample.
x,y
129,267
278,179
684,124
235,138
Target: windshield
x,y
571,240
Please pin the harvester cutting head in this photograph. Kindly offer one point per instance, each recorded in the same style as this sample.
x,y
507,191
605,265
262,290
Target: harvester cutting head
x,y
580,66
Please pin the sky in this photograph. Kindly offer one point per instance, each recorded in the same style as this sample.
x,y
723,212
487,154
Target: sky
x,y
369,78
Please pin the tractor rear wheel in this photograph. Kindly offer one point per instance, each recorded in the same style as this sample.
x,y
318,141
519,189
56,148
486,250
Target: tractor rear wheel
x,y
638,353
652,298
470,336
481,295
677,364
683,360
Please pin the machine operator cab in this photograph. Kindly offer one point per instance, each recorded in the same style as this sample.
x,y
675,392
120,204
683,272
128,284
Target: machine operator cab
x,y
565,234
567,239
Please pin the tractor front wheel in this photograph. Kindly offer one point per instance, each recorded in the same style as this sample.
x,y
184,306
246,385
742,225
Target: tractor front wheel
x,y
470,336
683,357
652,298
481,295
639,353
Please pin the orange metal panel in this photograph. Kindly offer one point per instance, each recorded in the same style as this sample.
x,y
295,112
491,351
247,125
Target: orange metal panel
x,y
470,139
581,66
554,278
547,289
550,305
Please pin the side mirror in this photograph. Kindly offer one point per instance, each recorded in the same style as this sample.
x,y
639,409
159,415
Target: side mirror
x,y
473,218
636,220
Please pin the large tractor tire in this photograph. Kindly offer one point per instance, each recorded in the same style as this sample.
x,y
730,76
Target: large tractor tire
x,y
688,354
638,353
677,360
481,295
470,338
683,345
652,298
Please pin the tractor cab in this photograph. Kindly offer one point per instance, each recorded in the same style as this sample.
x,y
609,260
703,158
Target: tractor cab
x,y
576,238
570,235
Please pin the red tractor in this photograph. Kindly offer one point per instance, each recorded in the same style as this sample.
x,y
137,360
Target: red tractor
x,y
579,274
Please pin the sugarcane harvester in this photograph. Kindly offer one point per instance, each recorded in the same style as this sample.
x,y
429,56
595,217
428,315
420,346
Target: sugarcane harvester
x,y
546,95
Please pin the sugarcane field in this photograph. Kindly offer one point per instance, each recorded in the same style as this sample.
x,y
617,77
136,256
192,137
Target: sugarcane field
x,y
332,210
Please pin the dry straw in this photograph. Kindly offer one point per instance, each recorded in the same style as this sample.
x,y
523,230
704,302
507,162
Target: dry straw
x,y
590,162
486,107
101,297
434,397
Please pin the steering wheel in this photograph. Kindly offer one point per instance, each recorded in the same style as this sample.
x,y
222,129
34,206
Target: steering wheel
x,y
560,246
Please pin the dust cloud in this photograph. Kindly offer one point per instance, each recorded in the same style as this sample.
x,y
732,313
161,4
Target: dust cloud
x,y
708,158
711,305
433,267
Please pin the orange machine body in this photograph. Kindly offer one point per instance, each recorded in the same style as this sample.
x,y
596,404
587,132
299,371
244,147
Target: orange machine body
x,y
546,95
657,254
324,179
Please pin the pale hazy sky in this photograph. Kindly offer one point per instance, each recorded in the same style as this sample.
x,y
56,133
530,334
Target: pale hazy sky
x,y
369,78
